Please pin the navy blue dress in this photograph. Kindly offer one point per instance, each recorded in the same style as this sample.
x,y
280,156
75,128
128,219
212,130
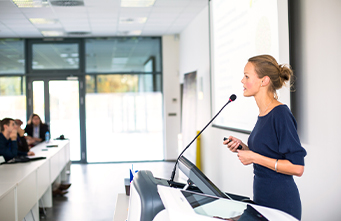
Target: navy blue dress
x,y
275,136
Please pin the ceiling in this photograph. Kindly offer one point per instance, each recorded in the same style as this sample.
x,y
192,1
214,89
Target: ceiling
x,y
97,18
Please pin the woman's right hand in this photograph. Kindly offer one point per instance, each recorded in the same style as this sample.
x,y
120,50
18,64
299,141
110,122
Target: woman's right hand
x,y
233,143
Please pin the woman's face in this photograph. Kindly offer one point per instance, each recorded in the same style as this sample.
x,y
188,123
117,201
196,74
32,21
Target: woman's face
x,y
35,121
251,81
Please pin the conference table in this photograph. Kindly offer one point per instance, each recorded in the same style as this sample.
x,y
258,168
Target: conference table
x,y
26,186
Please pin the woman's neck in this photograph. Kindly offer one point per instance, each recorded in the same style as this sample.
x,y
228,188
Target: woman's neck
x,y
265,103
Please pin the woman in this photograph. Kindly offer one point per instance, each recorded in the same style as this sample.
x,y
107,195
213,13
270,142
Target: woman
x,y
273,147
35,130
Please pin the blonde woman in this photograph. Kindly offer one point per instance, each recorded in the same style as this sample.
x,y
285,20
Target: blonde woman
x,y
274,147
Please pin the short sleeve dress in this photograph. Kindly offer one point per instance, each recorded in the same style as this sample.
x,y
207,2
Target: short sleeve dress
x,y
275,136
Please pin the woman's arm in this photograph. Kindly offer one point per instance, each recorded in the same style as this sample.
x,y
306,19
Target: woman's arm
x,y
283,166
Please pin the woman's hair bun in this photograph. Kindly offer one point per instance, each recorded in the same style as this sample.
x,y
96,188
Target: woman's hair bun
x,y
285,72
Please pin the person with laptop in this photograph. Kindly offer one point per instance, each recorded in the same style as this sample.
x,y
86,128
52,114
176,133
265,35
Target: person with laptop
x,y
273,147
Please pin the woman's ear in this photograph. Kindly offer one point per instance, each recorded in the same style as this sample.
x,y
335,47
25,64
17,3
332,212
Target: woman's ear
x,y
266,80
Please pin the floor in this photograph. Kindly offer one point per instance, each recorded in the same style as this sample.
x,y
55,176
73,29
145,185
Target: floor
x,y
92,195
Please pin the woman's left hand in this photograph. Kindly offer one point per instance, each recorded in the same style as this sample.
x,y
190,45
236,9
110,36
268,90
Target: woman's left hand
x,y
246,156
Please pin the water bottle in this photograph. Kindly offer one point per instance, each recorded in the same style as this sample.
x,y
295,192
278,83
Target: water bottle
x,y
47,137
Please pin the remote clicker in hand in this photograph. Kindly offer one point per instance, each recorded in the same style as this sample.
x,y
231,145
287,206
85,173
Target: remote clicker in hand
x,y
238,148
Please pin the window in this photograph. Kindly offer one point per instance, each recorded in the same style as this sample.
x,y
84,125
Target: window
x,y
122,54
12,59
13,97
55,56
123,118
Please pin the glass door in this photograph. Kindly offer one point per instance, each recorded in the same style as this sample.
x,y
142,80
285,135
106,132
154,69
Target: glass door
x,y
64,113
56,101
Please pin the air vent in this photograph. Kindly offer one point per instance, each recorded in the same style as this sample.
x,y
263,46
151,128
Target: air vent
x,y
78,33
67,3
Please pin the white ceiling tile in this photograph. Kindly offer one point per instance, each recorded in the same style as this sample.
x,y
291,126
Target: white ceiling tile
x,y
129,28
10,23
103,9
201,3
101,17
154,33
36,11
103,20
181,3
31,32
168,10
78,27
136,10
49,26
103,26
73,20
8,4
90,3
4,15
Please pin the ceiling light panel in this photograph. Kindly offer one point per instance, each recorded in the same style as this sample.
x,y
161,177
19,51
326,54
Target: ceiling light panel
x,y
126,20
31,3
67,3
52,33
43,21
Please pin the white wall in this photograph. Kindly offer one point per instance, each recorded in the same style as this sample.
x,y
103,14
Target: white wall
x,y
194,47
317,56
218,163
317,53
171,91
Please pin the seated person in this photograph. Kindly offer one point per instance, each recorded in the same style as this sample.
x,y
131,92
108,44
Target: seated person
x,y
8,139
23,148
35,130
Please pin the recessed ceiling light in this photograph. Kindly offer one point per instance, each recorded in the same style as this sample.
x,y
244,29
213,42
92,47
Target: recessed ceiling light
x,y
52,33
31,3
79,33
137,3
125,20
43,21
67,3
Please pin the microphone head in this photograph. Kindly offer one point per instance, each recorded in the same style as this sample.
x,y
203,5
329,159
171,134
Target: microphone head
x,y
233,97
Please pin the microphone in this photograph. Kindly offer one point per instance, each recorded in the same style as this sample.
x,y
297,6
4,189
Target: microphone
x,y
232,98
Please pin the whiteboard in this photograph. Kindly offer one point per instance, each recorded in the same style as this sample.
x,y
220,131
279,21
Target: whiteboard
x,y
240,30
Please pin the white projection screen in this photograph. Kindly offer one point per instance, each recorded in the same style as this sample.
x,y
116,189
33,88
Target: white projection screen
x,y
239,30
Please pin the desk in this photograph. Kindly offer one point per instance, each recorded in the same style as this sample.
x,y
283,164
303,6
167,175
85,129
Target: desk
x,y
7,201
23,184
121,210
